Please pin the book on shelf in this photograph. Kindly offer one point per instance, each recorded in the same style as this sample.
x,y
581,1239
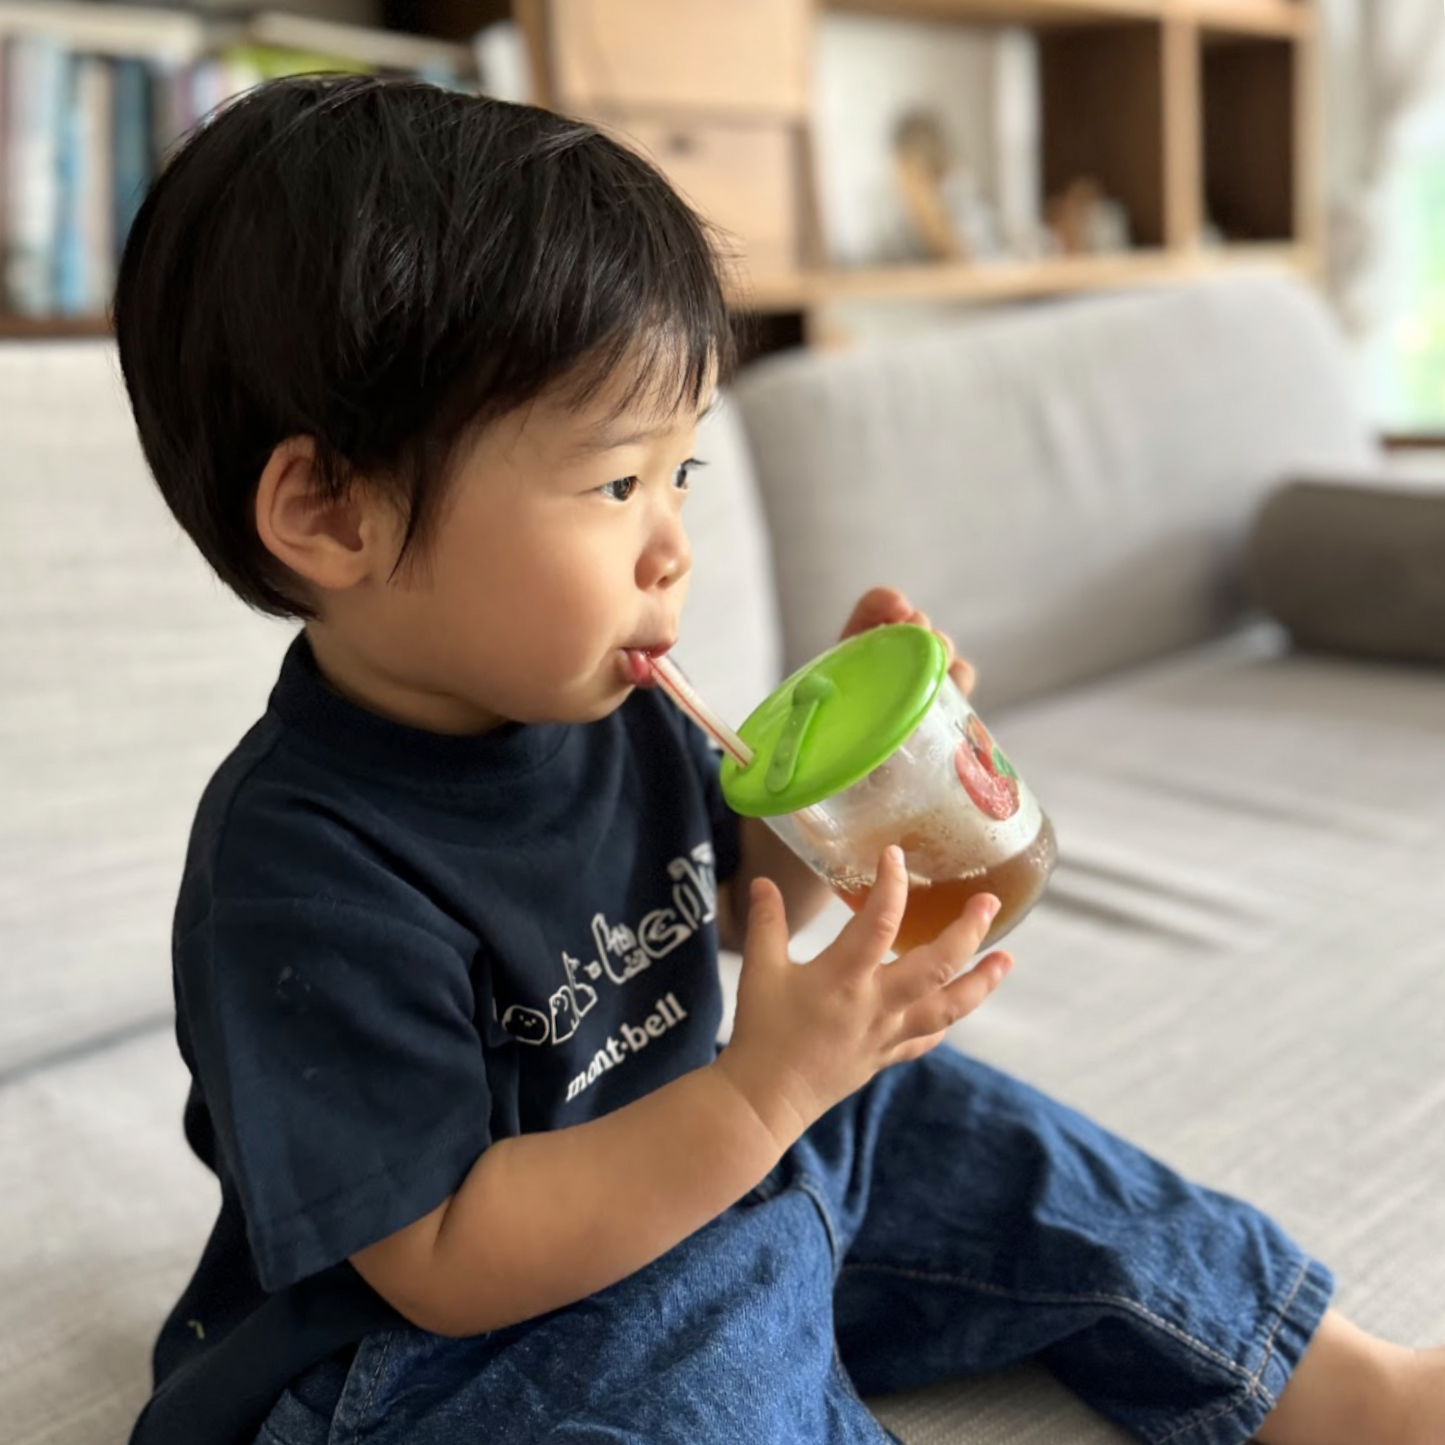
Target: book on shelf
x,y
33,70
94,98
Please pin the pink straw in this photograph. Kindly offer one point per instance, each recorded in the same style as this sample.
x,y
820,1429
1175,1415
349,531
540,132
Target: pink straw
x,y
680,690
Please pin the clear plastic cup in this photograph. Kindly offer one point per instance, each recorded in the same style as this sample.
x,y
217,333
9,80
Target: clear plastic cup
x,y
919,769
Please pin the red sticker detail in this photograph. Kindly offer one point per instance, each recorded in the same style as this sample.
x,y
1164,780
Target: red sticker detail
x,y
994,793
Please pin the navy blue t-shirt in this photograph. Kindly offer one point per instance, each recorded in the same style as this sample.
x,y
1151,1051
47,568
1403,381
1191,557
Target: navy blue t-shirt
x,y
391,948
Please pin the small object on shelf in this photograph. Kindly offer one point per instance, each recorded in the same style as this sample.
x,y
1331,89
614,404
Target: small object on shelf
x,y
1088,222
975,221
1109,228
920,158
946,207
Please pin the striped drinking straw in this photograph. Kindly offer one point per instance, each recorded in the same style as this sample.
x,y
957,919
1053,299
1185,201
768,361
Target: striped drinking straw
x,y
681,691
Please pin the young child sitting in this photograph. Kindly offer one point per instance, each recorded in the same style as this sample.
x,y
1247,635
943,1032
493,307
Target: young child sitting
x,y
424,370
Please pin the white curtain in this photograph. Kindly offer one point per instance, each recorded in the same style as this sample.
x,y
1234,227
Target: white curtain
x,y
1381,58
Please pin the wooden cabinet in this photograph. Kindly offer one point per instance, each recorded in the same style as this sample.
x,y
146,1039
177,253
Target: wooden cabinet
x,y
716,92
741,175
693,57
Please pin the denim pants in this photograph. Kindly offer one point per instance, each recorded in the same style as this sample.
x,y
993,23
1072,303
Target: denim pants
x,y
946,1219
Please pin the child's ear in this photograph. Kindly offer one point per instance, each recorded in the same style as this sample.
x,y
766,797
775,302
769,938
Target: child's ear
x,y
334,544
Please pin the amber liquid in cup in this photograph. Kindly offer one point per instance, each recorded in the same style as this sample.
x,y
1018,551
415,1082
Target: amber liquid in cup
x,y
1017,882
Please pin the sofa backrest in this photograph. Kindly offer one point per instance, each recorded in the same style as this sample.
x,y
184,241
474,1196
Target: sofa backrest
x,y
127,672
1064,488
731,644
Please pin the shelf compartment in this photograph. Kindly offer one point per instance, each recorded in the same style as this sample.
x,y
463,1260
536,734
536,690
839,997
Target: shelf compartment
x,y
1249,92
1102,93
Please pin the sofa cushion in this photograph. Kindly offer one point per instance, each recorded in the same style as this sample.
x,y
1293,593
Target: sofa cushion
x,y
1066,489
103,1217
1355,565
128,673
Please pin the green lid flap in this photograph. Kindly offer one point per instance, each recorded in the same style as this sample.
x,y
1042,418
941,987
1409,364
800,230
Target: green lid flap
x,y
835,720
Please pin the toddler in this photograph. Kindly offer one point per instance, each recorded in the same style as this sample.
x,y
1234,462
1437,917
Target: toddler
x,y
424,371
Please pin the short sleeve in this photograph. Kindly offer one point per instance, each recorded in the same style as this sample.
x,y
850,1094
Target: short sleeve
x,y
334,1040
726,825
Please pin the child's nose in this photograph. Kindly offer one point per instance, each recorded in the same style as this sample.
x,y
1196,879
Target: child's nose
x,y
667,560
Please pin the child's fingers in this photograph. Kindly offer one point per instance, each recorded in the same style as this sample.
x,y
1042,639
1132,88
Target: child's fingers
x,y
945,1007
877,607
766,940
867,938
959,669
963,674
923,971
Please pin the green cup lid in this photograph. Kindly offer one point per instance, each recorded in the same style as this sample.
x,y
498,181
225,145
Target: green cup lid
x,y
835,720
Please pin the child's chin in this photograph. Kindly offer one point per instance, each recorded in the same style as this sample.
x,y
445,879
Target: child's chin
x,y
593,709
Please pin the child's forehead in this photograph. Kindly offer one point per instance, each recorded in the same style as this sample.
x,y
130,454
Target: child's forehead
x,y
631,403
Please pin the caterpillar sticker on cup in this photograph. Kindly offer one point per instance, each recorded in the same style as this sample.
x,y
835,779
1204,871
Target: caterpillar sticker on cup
x,y
872,744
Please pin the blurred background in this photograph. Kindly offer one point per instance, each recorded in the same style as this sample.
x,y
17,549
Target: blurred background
x,y
881,164
1081,320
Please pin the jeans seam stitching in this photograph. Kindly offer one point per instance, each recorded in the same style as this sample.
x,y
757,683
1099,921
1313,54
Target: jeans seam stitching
x,y
1050,1297
364,1408
814,1190
1253,1386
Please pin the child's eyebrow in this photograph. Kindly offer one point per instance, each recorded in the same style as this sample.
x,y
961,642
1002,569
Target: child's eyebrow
x,y
603,438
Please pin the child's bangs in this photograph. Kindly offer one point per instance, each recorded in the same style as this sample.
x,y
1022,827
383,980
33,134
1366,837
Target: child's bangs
x,y
654,372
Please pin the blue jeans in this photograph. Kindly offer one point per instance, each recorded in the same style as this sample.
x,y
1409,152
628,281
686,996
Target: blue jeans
x,y
946,1219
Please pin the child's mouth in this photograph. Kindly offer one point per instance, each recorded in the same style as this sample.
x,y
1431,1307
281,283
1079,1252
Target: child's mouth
x,y
639,664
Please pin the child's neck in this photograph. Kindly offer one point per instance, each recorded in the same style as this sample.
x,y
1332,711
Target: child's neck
x,y
367,681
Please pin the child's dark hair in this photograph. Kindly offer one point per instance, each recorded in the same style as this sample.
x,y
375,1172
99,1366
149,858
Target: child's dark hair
x,y
380,266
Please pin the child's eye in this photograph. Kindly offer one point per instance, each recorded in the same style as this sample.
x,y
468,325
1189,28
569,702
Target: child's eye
x,y
680,476
620,490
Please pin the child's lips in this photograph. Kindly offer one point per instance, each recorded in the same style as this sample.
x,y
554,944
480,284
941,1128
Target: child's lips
x,y
639,663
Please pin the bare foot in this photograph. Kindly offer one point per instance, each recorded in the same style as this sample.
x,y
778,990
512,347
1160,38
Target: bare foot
x,y
1424,1376
1350,1388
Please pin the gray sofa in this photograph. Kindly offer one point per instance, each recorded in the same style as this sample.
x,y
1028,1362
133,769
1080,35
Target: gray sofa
x,y
1238,965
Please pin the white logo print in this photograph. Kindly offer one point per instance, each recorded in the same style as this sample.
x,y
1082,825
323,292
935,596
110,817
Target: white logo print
x,y
622,953
667,1013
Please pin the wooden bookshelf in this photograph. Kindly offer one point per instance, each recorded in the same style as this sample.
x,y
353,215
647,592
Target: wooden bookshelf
x,y
42,328
1008,12
1196,114
175,44
1012,280
1200,116
1270,17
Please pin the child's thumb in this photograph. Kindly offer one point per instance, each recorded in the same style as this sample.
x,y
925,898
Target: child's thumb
x,y
767,933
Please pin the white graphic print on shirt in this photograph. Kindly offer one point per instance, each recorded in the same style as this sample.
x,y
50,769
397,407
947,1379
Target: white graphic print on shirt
x,y
621,954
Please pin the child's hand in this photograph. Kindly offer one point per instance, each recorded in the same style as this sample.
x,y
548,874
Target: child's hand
x,y
807,1037
883,605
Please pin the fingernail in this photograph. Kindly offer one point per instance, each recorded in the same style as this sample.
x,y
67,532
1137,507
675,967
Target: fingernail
x,y
991,909
895,855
